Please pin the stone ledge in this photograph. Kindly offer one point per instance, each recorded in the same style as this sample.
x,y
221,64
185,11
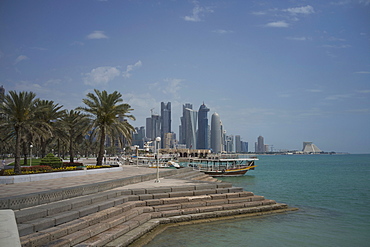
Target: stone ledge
x,y
53,175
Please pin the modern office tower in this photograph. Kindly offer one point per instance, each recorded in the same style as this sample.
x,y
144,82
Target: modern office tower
x,y
244,147
229,144
169,140
148,128
260,145
138,137
182,127
238,144
309,147
202,142
216,133
153,127
165,120
190,128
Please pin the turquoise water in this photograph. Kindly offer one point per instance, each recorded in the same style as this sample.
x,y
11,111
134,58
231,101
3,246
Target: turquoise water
x,y
332,193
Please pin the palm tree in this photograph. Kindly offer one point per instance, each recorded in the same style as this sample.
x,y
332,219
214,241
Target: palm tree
x,y
49,113
76,126
108,112
19,110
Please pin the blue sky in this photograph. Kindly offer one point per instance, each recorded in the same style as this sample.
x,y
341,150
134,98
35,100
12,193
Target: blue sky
x,y
291,71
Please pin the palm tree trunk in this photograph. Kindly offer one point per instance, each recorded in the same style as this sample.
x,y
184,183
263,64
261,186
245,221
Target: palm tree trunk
x,y
43,147
17,160
99,161
24,147
71,149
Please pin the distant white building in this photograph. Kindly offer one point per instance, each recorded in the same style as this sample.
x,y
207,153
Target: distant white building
x,y
309,147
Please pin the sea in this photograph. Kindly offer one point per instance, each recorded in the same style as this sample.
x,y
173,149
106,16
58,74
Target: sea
x,y
332,193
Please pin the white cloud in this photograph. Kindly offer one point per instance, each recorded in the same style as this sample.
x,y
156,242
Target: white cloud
x,y
97,35
362,72
222,31
278,24
299,38
173,86
365,2
130,68
337,46
259,13
338,97
306,10
363,91
197,13
314,90
20,58
53,82
77,43
101,76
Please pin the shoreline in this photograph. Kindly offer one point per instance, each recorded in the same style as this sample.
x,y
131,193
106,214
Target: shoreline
x,y
149,236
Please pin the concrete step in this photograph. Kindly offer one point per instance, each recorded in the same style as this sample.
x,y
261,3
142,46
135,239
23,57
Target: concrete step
x,y
186,174
132,235
46,229
38,218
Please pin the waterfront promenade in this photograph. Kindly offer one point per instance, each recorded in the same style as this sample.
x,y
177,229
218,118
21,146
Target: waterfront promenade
x,y
117,208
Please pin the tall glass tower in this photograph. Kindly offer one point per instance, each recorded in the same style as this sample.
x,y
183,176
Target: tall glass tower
x,y
202,141
165,120
190,128
216,133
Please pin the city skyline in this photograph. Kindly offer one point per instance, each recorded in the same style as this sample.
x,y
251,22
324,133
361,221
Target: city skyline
x,y
290,71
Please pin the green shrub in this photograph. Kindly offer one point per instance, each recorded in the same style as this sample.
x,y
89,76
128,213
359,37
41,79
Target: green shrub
x,y
67,164
51,160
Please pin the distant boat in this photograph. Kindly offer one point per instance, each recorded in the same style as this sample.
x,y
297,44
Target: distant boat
x,y
224,167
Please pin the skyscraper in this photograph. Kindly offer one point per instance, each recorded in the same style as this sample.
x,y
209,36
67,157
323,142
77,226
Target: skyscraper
x,y
190,128
165,120
238,144
202,141
260,145
153,127
182,127
216,133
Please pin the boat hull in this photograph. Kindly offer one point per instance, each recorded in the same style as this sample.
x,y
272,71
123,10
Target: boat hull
x,y
229,172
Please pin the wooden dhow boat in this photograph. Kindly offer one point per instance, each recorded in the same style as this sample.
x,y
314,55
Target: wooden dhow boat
x,y
224,167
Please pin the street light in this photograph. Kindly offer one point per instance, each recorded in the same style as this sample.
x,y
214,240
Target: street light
x,y
31,146
137,155
157,141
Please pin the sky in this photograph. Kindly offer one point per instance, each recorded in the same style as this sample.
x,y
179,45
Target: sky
x,y
290,71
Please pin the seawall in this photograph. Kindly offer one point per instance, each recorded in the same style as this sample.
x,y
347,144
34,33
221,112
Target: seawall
x,y
116,209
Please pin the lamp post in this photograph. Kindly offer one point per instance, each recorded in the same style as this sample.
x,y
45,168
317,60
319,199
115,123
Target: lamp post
x,y
137,155
157,141
31,146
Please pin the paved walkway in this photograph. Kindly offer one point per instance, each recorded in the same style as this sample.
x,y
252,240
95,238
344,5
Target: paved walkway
x,y
7,190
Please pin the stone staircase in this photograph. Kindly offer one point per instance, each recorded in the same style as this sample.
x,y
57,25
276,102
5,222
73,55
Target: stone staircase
x,y
119,216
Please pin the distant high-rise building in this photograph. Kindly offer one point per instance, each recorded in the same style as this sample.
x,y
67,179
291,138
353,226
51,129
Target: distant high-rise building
x,y
153,127
182,127
169,140
238,144
216,133
260,145
202,142
165,120
229,144
245,147
190,128
138,138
